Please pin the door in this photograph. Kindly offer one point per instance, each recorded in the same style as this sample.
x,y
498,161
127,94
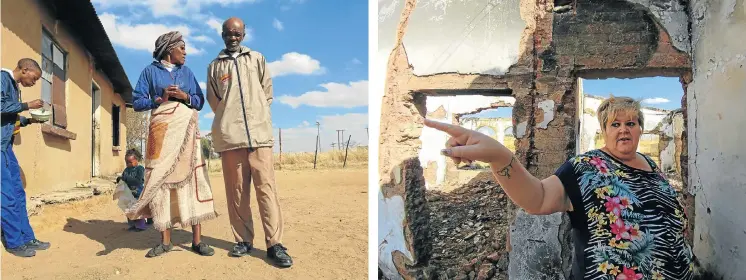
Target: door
x,y
95,131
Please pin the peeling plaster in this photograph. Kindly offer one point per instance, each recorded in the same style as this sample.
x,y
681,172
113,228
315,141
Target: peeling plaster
x,y
391,234
521,129
548,107
672,15
715,136
668,153
464,36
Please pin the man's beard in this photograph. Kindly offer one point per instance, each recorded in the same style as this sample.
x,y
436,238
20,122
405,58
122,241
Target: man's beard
x,y
233,49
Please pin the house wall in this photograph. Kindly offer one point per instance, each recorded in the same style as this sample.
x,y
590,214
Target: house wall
x,y
717,169
49,162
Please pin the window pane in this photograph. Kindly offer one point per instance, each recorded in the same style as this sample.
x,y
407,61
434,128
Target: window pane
x,y
46,91
46,69
46,45
58,57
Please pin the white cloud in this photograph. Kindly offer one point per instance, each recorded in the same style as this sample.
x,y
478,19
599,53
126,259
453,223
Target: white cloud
x,y
277,24
162,8
336,95
303,137
295,63
656,100
216,24
290,3
203,85
203,39
210,115
142,36
352,64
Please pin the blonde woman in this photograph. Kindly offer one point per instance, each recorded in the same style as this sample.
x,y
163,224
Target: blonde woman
x,y
626,219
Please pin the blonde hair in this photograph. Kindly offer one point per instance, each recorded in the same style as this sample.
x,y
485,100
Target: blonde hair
x,y
611,107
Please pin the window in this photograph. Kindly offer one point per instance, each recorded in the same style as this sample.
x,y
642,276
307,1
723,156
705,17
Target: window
x,y
54,76
115,111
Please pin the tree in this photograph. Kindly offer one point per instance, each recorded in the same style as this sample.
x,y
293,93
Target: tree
x,y
206,148
137,129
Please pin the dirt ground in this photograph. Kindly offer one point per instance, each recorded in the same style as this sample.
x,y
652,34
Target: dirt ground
x,y
326,221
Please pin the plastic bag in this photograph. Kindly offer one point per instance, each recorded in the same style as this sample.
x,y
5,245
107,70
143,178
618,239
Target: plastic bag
x,y
124,196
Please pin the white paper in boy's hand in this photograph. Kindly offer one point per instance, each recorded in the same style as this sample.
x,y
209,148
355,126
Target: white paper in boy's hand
x,y
123,193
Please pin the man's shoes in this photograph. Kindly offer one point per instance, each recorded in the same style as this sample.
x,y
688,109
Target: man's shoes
x,y
203,249
22,251
279,256
36,244
241,249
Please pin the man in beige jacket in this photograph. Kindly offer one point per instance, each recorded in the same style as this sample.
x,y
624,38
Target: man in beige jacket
x,y
239,91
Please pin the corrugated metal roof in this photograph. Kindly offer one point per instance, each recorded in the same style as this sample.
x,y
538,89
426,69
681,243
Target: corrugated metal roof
x,y
81,19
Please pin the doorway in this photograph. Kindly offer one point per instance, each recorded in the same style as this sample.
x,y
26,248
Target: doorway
x,y
95,130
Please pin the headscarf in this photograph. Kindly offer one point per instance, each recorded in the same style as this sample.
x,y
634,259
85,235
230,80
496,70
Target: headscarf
x,y
166,42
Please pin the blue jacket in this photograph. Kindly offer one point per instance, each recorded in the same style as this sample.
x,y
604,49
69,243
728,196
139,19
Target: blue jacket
x,y
11,106
155,78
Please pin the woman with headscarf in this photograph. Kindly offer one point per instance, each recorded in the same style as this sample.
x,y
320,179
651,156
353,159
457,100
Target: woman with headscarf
x,y
177,189
626,218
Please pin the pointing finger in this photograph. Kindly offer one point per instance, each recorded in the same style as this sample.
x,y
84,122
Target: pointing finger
x,y
453,130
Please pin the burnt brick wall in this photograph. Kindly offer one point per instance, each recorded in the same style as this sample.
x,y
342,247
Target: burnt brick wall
x,y
605,34
610,34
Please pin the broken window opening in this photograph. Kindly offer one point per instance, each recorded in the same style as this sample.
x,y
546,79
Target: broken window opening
x,y
477,111
494,122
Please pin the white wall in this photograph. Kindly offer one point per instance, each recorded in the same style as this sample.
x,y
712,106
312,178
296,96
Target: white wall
x,y
717,138
464,36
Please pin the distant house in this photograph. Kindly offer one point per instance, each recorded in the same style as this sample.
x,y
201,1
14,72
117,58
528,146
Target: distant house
x,y
83,79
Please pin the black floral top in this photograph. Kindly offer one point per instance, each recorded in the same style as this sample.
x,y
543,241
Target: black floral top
x,y
627,222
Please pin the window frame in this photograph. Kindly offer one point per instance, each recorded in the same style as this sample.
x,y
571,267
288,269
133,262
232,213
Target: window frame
x,y
53,73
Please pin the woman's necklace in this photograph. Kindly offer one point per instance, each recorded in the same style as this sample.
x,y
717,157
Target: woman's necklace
x,y
167,64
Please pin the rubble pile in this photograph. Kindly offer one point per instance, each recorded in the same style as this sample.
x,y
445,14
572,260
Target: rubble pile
x,y
469,227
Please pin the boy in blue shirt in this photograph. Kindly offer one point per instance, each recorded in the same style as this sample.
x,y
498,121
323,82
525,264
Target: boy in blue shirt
x,y
134,176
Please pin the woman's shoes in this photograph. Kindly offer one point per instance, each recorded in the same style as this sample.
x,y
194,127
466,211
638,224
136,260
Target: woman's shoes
x,y
160,249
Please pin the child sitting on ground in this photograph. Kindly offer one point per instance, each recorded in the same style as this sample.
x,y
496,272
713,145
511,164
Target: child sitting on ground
x,y
134,176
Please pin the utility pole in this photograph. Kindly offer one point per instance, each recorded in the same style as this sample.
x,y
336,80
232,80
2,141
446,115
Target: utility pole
x,y
338,137
280,148
315,154
346,148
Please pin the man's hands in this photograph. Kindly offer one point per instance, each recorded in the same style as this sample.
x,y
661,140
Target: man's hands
x,y
174,91
35,104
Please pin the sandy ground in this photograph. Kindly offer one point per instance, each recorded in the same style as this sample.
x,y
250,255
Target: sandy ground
x,y
326,218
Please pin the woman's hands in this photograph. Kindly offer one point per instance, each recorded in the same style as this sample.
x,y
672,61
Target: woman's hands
x,y
172,91
468,145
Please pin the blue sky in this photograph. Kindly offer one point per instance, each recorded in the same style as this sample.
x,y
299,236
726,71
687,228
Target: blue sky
x,y
317,51
657,92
